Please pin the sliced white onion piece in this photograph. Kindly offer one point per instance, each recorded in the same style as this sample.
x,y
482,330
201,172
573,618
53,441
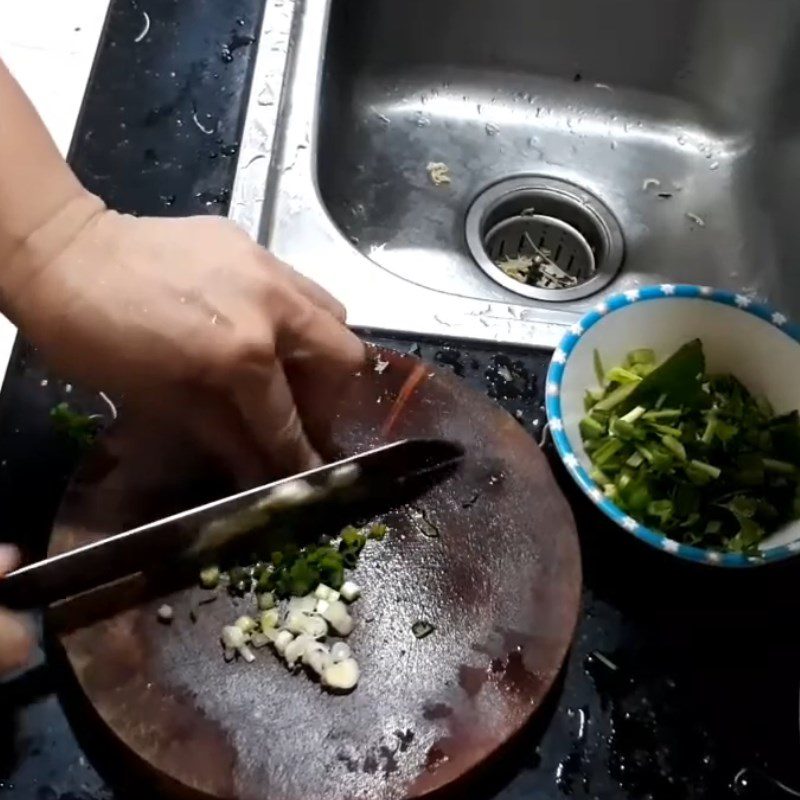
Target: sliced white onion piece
x,y
337,615
322,606
318,657
295,621
286,495
233,637
282,641
343,675
270,619
296,649
316,626
350,591
343,475
246,624
259,639
310,624
340,652
305,604
247,654
324,592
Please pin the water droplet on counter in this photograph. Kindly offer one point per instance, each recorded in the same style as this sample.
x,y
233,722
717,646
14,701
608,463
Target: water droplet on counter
x,y
211,197
492,129
229,48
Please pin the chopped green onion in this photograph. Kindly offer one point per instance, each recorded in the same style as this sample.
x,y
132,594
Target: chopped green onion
x,y
622,375
209,577
695,455
674,446
642,356
81,428
615,397
633,415
605,453
266,601
591,429
378,531
708,469
599,372
635,460
779,467
662,414
661,510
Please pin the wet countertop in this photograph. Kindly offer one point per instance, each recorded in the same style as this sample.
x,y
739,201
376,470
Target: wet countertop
x,y
682,682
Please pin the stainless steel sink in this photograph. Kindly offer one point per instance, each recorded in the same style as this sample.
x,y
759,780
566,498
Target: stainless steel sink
x,y
621,142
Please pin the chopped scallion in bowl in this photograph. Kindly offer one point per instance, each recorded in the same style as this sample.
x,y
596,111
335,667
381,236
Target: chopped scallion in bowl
x,y
675,410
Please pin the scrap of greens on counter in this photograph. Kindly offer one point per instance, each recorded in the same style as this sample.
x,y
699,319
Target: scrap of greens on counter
x,y
692,455
80,428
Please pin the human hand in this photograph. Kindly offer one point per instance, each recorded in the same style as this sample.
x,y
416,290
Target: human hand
x,y
16,640
185,318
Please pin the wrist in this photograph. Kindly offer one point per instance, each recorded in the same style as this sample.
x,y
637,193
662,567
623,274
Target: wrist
x,y
28,261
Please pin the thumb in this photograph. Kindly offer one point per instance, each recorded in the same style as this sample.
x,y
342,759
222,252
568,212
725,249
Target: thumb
x,y
16,639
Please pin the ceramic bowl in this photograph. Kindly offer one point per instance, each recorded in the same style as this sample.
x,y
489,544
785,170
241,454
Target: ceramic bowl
x,y
757,344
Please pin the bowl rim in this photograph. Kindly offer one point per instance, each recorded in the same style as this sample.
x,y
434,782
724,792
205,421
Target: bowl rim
x,y
555,374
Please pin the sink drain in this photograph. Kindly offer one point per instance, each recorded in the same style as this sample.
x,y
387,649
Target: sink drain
x,y
544,238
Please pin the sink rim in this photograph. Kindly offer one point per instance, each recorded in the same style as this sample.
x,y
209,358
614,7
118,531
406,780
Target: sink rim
x,y
276,199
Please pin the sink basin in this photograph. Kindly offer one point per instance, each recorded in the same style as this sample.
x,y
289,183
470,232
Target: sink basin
x,y
413,152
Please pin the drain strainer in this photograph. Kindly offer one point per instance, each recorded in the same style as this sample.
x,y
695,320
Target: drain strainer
x,y
544,238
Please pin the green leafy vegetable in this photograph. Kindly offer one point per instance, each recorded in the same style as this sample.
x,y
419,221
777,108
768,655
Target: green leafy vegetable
x,y
679,380
295,571
693,455
81,428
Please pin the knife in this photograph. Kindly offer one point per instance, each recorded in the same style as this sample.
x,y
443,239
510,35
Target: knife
x,y
376,480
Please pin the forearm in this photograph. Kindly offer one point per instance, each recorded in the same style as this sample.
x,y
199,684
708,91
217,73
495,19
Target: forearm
x,y
42,203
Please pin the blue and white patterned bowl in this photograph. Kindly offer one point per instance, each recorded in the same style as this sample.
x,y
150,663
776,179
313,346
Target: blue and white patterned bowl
x,y
751,341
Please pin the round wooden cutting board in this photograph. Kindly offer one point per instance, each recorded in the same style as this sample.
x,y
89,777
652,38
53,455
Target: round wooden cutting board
x,y
489,557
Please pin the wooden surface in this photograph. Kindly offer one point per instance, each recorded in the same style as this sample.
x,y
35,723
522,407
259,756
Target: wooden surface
x,y
500,582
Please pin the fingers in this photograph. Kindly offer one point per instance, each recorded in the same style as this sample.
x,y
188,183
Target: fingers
x,y
217,428
16,642
319,296
310,290
9,558
265,400
300,333
306,331
16,639
211,421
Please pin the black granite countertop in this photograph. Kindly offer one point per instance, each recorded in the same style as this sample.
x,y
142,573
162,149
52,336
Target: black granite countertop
x,y
682,682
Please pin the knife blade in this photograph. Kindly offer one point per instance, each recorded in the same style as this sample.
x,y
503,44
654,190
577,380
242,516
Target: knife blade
x,y
377,479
